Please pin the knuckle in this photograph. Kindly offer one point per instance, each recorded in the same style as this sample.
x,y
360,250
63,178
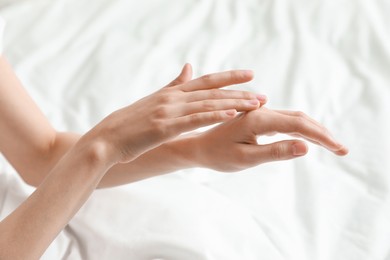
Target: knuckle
x,y
247,95
239,103
276,151
214,93
300,114
215,116
205,118
208,105
207,78
194,118
161,112
166,98
234,74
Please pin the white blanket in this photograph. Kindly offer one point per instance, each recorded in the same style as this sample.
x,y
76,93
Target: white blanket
x,y
82,59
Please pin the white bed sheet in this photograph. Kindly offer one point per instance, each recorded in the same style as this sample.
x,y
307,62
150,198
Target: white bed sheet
x,y
82,59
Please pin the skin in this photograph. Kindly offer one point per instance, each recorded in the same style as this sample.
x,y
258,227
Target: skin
x,y
67,167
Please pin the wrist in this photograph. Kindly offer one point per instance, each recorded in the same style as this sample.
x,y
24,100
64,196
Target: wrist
x,y
186,150
97,150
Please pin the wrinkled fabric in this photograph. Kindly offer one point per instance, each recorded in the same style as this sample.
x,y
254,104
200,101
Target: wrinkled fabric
x,y
82,59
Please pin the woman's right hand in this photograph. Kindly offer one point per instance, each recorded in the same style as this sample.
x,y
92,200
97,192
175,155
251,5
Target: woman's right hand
x,y
181,106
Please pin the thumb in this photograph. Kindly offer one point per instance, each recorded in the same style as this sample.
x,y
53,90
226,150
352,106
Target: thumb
x,y
184,76
282,150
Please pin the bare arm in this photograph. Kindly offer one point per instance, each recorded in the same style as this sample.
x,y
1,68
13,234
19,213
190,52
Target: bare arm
x,y
42,146
160,118
33,146
29,230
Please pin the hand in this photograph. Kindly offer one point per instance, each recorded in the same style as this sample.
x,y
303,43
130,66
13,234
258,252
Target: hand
x,y
232,146
181,106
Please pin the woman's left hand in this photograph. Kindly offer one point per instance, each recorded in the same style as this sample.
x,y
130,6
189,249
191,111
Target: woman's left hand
x,y
232,146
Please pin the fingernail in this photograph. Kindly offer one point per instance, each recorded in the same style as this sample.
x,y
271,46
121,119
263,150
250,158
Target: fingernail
x,y
342,150
338,146
231,112
253,102
262,98
248,73
299,149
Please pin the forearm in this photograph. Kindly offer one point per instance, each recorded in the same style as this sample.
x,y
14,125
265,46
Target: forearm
x,y
168,157
28,231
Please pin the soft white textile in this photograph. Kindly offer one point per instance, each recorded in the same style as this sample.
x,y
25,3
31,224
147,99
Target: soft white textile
x,y
82,59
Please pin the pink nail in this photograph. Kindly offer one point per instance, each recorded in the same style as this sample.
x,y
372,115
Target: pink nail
x,y
231,112
253,102
299,149
262,98
248,73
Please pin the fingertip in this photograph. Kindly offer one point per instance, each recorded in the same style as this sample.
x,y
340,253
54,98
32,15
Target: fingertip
x,y
342,151
339,149
254,103
186,72
299,148
231,112
187,66
184,76
262,98
249,74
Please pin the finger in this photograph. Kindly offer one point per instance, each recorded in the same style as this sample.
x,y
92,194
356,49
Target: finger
x,y
282,150
300,126
299,114
218,80
262,98
307,139
224,94
216,105
194,121
342,149
184,76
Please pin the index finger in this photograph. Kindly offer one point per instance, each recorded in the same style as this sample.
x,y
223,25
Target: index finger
x,y
218,80
303,127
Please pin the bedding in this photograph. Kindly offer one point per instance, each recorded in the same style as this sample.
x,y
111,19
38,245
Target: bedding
x,y
82,59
